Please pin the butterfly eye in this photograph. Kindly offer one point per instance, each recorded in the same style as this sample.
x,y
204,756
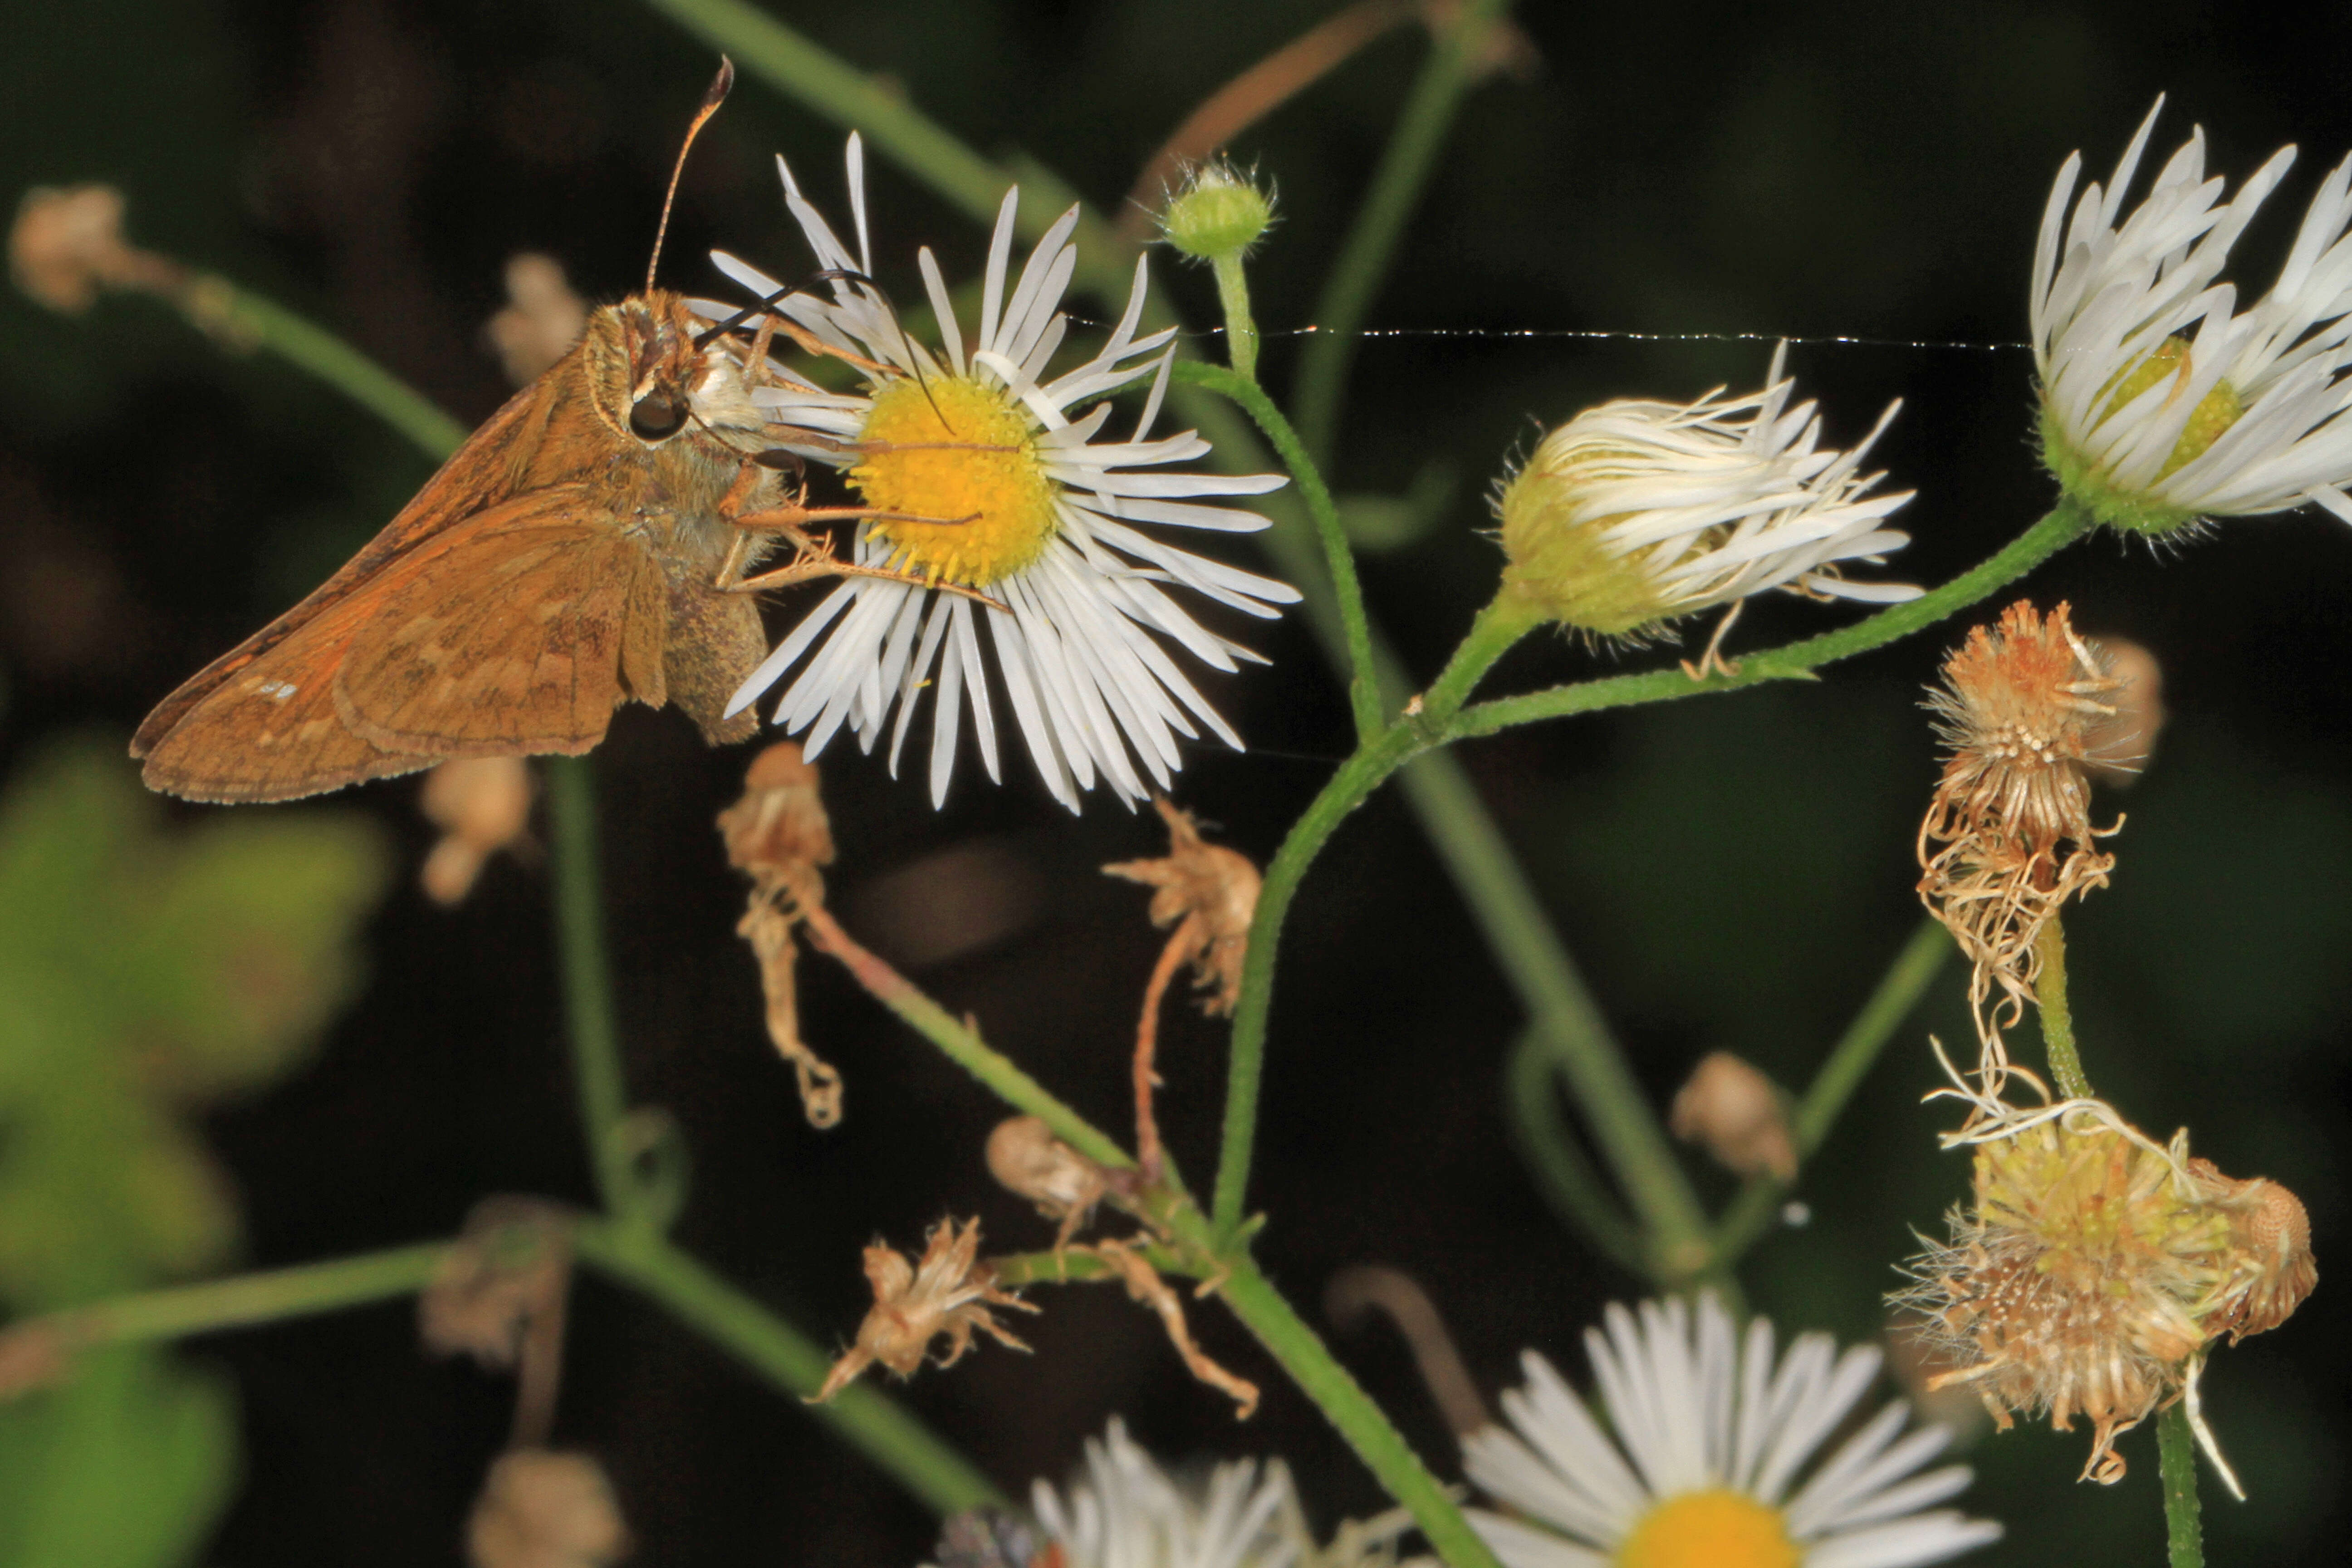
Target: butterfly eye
x,y
656,417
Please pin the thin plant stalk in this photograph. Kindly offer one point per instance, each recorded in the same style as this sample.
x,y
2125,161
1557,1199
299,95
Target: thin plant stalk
x,y
1241,329
242,1300
1362,263
2184,1525
2057,1015
1894,999
1563,1175
596,1068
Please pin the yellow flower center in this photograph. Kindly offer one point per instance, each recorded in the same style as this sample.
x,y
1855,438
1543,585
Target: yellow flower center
x,y
952,464
1715,1528
2215,411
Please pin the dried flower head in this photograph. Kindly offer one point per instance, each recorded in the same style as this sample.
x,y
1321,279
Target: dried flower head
x,y
482,805
1145,1285
778,834
544,1510
949,1293
542,319
1025,1157
499,1296
2094,1267
2120,746
2025,708
68,245
1738,1116
1209,893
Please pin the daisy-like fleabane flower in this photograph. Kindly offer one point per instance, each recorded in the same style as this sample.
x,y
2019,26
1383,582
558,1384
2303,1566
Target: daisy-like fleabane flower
x,y
1127,1512
1636,512
2161,404
981,476
1711,1431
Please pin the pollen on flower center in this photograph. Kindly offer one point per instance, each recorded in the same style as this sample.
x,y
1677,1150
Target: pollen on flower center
x,y
953,465
2215,411
1713,1528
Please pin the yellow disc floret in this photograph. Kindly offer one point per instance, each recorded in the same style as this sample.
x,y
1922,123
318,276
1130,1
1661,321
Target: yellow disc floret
x,y
1714,1528
2215,411
953,467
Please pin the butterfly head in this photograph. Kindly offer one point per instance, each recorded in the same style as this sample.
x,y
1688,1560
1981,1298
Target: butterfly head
x,y
647,379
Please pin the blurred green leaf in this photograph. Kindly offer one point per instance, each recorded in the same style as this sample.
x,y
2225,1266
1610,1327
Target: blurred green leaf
x,y
143,971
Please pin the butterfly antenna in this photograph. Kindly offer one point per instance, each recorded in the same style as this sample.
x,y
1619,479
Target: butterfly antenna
x,y
712,97
914,363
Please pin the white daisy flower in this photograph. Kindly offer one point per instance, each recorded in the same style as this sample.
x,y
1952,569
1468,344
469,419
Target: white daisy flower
x,y
984,476
2160,403
1127,1512
1709,1436
1636,512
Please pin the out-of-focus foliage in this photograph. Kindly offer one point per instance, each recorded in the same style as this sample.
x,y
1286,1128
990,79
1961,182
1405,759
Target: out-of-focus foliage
x,y
144,974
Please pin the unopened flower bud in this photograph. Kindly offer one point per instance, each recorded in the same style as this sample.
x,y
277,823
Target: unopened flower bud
x,y
1736,1114
544,1509
1025,1157
1218,215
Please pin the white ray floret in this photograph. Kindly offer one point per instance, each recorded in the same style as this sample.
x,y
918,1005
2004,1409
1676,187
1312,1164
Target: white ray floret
x,y
1706,1418
1080,638
1127,1512
2111,289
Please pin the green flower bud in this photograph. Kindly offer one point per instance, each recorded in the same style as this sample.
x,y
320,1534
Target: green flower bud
x,y
1218,215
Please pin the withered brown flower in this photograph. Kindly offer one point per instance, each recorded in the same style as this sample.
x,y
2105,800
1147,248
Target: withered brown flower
x,y
1025,1158
2026,706
482,805
1733,1112
1209,893
947,1293
2094,1269
545,1509
778,835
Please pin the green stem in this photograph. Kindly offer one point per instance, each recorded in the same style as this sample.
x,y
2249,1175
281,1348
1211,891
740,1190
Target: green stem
x,y
1363,679
1897,994
1261,1309
1241,330
2064,524
240,318
243,1300
961,1042
2057,1016
595,1040
875,1424
2175,1450
1363,260
1563,1175
1073,1267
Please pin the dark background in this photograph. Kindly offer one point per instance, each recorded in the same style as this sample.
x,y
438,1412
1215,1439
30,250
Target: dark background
x,y
1733,873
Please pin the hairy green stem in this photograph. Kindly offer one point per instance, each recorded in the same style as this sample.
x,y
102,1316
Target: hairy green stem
x,y
1362,263
2057,1014
242,1300
596,1068
2063,526
1338,560
1241,329
1896,995
2184,1525
1563,1175
875,1424
241,318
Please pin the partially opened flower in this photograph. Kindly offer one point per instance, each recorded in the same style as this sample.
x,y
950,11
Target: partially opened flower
x,y
2162,402
1126,1511
1712,1433
1637,512
983,474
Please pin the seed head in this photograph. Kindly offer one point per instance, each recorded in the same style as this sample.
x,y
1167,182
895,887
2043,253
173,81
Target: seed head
x,y
1210,893
1027,1159
545,1509
1736,1114
2094,1267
